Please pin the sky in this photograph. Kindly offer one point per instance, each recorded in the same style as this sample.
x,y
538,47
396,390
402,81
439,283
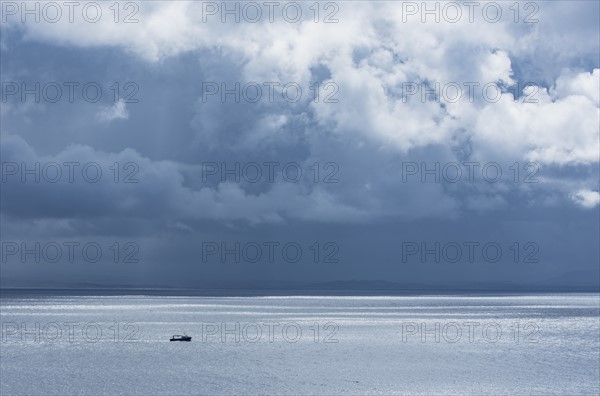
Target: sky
x,y
256,144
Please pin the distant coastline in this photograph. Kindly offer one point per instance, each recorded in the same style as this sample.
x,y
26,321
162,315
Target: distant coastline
x,y
305,292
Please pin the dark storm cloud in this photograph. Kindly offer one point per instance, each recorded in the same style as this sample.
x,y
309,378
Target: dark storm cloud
x,y
378,172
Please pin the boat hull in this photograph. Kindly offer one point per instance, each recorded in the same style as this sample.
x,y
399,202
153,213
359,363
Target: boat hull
x,y
187,339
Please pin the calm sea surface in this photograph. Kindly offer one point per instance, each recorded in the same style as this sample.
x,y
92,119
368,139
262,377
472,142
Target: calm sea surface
x,y
94,345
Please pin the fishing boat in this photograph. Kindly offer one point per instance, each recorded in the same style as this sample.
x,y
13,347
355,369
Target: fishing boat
x,y
178,337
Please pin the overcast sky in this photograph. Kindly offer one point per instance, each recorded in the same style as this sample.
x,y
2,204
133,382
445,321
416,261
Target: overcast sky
x,y
361,178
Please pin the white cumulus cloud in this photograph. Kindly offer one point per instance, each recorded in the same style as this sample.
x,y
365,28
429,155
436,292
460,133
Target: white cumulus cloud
x,y
586,198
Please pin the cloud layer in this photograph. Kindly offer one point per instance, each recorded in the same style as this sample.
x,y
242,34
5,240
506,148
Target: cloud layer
x,y
397,97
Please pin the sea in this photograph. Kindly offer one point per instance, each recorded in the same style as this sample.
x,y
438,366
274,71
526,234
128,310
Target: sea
x,y
113,344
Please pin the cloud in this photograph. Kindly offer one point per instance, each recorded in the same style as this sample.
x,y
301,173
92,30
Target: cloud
x,y
126,184
116,111
556,127
370,53
373,128
586,198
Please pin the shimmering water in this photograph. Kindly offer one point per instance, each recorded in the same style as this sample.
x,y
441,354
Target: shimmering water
x,y
534,344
